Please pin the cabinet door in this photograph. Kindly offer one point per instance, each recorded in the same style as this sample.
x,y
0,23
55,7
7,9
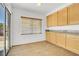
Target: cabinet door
x,y
62,17
73,14
72,43
50,37
61,39
54,19
53,38
49,19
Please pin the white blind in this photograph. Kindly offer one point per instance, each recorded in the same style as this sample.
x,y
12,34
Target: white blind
x,y
26,26
36,26
31,25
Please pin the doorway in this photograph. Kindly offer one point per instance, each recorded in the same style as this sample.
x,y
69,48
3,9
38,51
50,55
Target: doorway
x,y
7,31
5,18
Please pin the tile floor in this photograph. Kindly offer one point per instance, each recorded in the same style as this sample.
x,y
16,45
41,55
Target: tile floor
x,y
39,49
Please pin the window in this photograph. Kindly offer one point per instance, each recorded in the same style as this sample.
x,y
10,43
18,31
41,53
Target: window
x,y
31,25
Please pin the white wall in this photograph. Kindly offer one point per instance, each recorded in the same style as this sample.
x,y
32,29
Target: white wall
x,y
16,27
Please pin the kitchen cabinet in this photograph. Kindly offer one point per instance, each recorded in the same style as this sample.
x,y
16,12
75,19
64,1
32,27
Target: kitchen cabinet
x,y
73,14
52,20
49,21
72,43
61,39
66,16
50,37
53,37
62,16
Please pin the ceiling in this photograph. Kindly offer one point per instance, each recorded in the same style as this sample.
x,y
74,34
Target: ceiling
x,y
44,8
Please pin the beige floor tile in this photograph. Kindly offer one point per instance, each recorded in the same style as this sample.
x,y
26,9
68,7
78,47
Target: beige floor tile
x,y
39,49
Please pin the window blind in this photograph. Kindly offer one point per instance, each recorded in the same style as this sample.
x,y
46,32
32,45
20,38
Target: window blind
x,y
31,25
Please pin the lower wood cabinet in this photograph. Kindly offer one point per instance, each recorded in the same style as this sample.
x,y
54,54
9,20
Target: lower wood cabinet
x,y
53,37
67,41
61,39
50,37
72,43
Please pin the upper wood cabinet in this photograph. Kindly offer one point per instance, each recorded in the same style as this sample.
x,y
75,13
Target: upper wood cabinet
x,y
66,16
61,39
52,20
73,14
62,17
49,21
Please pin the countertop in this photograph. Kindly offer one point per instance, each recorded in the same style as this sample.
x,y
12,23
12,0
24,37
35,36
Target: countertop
x,y
75,32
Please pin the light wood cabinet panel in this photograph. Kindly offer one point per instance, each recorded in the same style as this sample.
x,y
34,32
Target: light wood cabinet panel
x,y
50,37
49,21
73,14
72,43
61,39
52,20
62,17
53,37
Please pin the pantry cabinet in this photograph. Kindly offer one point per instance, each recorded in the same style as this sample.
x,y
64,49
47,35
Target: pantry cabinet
x,y
72,43
62,16
61,39
73,14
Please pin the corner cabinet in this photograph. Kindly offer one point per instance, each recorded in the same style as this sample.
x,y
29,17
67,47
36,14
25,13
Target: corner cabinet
x,y
73,14
62,17
52,20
